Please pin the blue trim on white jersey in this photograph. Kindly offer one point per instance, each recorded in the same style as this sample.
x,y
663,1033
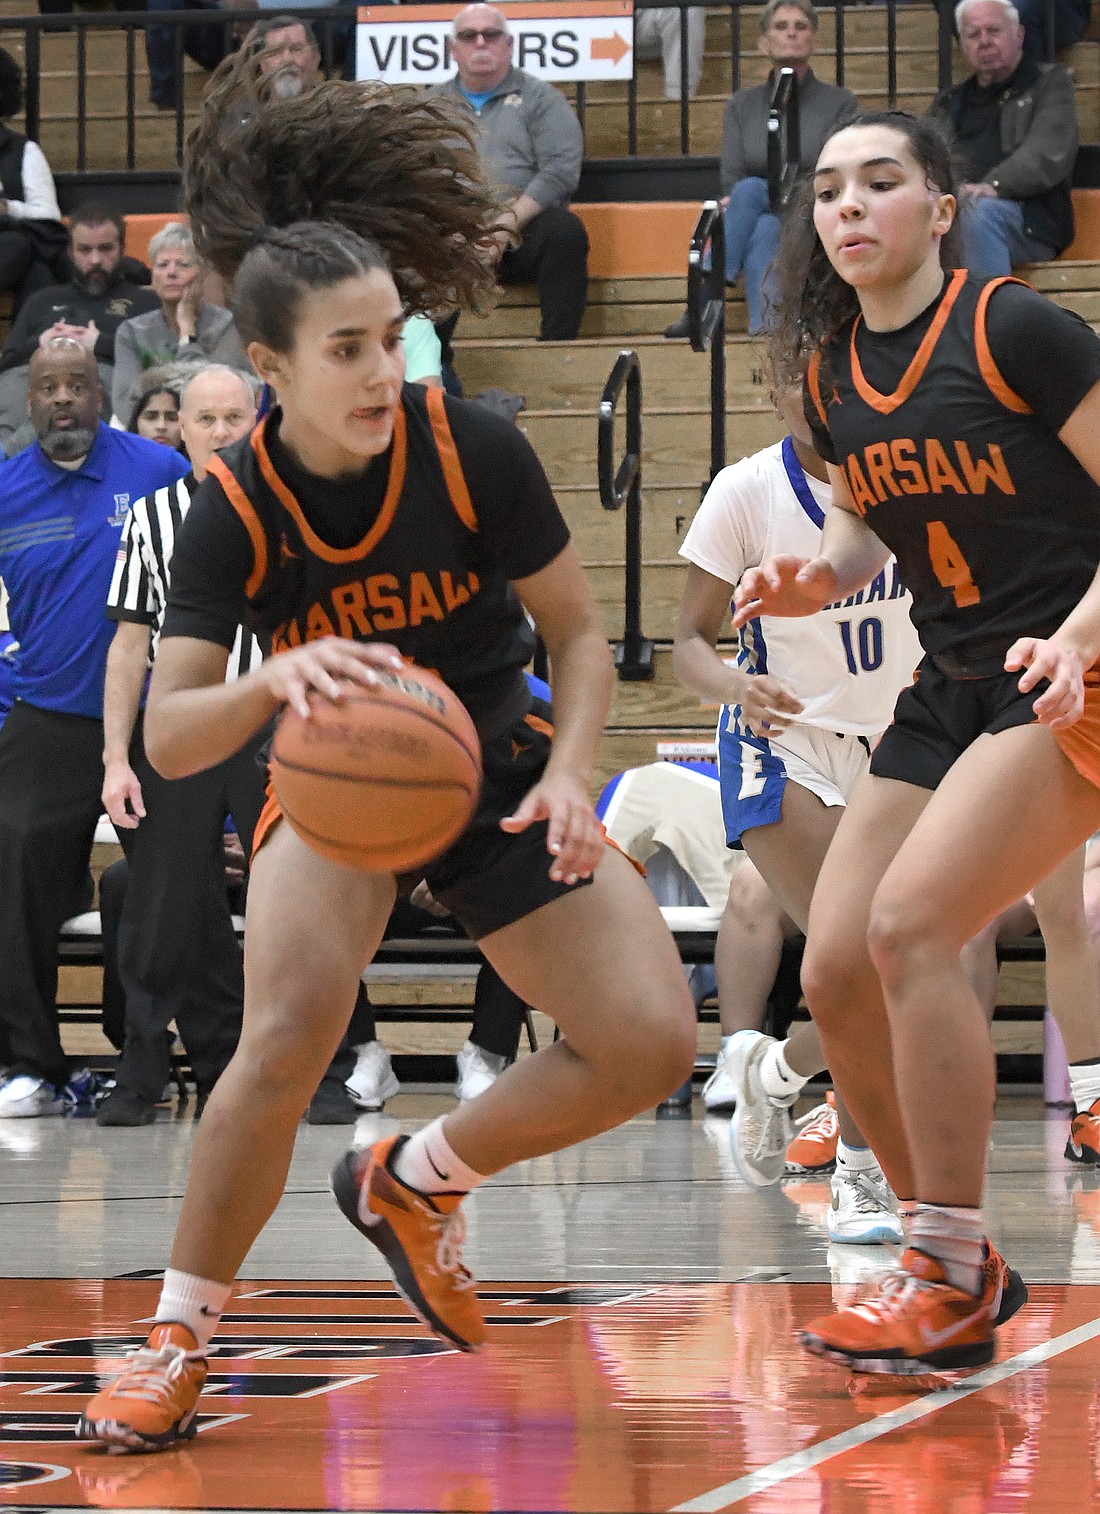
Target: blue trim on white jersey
x,y
802,490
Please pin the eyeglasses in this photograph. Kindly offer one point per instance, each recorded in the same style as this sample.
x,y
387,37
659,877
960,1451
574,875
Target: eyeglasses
x,y
472,33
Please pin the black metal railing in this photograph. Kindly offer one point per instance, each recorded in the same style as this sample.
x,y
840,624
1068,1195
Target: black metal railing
x,y
623,485
335,24
706,312
784,139
331,26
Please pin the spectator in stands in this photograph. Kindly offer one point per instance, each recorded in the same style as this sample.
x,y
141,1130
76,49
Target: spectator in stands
x,y
1071,18
90,308
788,39
32,238
186,328
1014,126
178,953
289,54
530,142
62,505
156,412
205,43
659,33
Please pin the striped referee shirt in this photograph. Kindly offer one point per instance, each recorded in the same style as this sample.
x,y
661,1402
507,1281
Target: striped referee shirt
x,y
139,585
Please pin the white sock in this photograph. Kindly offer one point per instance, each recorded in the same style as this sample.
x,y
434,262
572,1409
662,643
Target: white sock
x,y
856,1158
192,1301
955,1236
780,1081
427,1163
1084,1085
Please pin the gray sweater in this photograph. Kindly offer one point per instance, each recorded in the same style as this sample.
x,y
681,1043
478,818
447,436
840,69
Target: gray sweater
x,y
147,341
528,137
745,126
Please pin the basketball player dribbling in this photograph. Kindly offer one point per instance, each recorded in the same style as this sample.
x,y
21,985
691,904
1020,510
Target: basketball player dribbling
x,y
361,521
961,420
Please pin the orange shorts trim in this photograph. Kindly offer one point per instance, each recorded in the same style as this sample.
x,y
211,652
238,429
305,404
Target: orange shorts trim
x,y
1081,742
270,816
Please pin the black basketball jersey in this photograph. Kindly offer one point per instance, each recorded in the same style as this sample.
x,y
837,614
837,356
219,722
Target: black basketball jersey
x,y
421,577
995,524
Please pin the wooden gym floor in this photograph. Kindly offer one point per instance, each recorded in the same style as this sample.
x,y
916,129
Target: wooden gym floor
x,y
641,1301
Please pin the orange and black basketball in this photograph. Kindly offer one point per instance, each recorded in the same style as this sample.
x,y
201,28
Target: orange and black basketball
x,y
385,780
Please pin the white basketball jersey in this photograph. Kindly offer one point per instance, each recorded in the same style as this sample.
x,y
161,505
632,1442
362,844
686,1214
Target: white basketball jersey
x,y
847,663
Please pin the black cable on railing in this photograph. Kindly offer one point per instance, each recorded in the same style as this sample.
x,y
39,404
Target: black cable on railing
x,y
784,140
706,312
946,38
619,486
891,53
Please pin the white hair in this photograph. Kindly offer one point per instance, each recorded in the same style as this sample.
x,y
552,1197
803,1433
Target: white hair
x,y
964,5
203,370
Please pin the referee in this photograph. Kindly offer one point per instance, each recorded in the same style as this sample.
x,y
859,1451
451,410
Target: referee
x,y
179,958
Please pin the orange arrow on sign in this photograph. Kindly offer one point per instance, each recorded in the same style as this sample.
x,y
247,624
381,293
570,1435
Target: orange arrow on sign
x,y
612,47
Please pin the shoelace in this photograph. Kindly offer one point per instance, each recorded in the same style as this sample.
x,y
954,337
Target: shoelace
x,y
818,1126
451,1229
150,1374
895,1292
867,1194
765,1134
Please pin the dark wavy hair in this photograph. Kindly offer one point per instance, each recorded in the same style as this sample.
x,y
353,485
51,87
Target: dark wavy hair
x,y
810,302
290,195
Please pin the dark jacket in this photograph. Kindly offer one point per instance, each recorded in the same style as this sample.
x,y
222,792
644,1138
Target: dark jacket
x,y
745,126
66,302
1039,135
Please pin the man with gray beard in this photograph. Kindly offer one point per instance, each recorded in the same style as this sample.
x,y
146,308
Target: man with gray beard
x,y
63,502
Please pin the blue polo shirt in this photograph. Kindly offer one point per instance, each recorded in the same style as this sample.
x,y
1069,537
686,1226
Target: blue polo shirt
x,y
59,537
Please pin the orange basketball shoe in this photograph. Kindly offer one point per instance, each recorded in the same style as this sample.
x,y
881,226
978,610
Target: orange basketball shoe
x,y
813,1150
1084,1136
1003,1289
915,1321
420,1235
151,1404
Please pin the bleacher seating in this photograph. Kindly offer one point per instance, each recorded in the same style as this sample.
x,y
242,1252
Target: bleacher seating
x,y
637,263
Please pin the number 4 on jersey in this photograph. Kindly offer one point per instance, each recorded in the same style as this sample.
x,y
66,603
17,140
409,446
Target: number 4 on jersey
x,y
950,566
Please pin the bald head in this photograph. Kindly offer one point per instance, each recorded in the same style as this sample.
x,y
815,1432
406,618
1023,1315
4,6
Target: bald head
x,y
63,399
218,407
482,48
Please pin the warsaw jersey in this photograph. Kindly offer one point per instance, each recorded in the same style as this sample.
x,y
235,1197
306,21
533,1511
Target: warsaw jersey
x,y
419,551
846,663
947,434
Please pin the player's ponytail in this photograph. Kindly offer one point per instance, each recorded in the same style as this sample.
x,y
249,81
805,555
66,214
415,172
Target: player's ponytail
x,y
390,168
809,301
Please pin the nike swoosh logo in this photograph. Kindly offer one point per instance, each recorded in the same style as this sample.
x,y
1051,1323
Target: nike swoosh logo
x,y
932,1337
444,1177
207,1311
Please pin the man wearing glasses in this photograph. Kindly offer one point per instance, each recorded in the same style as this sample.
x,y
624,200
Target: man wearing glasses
x,y
530,141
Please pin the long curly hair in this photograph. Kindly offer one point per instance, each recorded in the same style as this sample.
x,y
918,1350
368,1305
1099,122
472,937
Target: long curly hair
x,y
810,303
288,195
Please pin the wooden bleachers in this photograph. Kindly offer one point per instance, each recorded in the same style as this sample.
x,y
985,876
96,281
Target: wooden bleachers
x,y
605,103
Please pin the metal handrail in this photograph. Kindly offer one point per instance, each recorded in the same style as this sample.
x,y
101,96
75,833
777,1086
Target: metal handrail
x,y
706,312
623,485
784,140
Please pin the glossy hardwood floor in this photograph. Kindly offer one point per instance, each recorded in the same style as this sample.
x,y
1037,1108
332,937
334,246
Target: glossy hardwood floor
x,y
642,1303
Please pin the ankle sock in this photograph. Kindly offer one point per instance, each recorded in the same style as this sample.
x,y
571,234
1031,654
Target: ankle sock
x,y
427,1164
856,1159
779,1081
955,1236
1084,1085
192,1301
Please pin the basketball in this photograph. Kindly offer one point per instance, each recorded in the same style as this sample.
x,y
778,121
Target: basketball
x,y
384,781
